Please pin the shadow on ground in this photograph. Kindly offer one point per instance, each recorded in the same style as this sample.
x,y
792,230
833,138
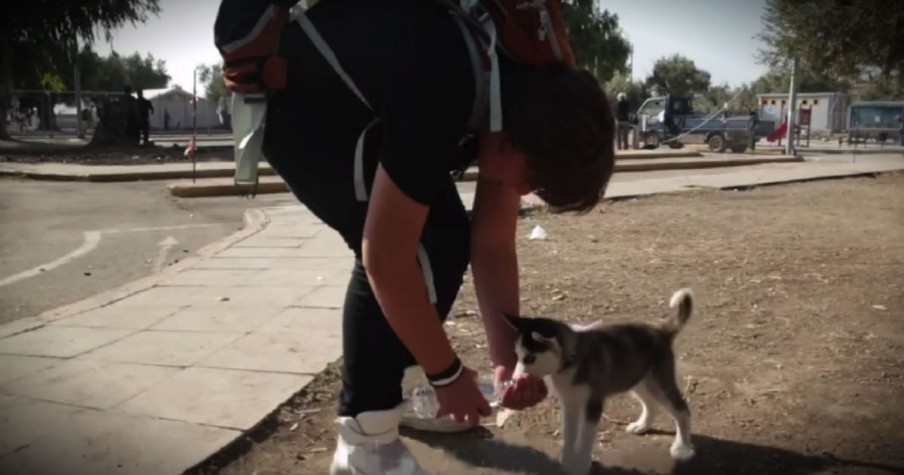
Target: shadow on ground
x,y
714,456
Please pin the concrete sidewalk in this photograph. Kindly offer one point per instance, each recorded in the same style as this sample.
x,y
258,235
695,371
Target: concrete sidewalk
x,y
154,377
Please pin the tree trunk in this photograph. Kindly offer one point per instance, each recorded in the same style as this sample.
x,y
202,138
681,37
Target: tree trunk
x,y
114,128
4,135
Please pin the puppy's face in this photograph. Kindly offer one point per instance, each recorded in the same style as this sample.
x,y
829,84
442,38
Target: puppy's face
x,y
538,347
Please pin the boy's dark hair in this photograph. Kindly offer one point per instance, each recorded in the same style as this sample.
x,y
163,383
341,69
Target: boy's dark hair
x,y
560,118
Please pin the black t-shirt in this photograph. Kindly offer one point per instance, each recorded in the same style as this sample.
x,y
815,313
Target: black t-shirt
x,y
411,63
144,108
622,110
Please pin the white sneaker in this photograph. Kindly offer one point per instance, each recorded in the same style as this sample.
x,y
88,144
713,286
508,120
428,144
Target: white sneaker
x,y
369,445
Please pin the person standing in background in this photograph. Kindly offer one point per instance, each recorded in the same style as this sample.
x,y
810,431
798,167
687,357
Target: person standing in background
x,y
621,116
753,123
145,108
129,114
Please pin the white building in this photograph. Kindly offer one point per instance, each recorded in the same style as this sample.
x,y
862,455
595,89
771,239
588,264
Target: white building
x,y
828,110
176,103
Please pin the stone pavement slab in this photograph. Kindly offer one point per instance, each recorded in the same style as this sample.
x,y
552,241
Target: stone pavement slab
x,y
157,378
85,383
216,397
56,439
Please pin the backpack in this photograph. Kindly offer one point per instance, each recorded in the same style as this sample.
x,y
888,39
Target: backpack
x,y
247,34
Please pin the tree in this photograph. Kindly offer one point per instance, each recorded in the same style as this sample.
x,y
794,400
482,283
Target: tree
x,y
596,39
881,89
715,98
635,90
214,85
844,39
778,79
678,75
42,30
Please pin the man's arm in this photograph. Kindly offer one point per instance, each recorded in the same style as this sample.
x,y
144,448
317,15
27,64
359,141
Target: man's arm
x,y
392,232
494,264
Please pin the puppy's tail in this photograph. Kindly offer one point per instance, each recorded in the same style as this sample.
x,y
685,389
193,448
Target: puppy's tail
x,y
683,300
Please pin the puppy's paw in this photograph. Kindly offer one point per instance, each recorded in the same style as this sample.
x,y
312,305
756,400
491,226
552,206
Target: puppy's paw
x,y
638,427
681,452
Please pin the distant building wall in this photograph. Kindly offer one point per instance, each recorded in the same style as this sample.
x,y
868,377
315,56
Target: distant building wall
x,y
828,109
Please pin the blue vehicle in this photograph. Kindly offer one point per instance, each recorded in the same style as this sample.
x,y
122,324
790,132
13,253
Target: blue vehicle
x,y
671,120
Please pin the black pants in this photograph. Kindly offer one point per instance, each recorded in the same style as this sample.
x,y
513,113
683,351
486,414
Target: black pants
x,y
624,130
316,160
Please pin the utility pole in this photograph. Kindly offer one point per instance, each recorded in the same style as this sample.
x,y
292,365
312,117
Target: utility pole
x,y
792,109
79,132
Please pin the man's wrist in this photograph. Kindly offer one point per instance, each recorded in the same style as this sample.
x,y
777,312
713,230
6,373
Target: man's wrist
x,y
447,376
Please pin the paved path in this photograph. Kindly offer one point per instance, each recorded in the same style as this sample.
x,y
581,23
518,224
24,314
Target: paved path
x,y
153,377
61,242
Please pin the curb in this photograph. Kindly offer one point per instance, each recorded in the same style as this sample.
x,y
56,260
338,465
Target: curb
x,y
705,163
871,151
535,204
255,221
276,185
58,149
207,190
264,170
685,153
129,176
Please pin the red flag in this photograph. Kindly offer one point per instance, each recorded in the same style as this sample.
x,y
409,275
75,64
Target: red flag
x,y
191,148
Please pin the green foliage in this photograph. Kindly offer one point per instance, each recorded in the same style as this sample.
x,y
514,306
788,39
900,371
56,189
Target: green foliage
x,y
882,89
715,98
845,39
778,79
635,90
214,86
36,34
679,76
596,39
114,72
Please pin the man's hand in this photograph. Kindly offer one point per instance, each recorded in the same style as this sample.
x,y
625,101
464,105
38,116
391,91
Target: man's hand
x,y
463,400
527,391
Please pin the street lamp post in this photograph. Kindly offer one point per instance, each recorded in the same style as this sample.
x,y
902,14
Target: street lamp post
x,y
792,109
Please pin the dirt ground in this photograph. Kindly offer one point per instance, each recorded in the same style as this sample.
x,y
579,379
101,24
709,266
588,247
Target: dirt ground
x,y
792,363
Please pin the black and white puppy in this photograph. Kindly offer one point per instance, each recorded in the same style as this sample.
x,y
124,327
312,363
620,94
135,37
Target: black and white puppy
x,y
584,366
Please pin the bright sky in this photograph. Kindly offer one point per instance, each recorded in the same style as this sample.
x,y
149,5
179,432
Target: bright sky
x,y
719,35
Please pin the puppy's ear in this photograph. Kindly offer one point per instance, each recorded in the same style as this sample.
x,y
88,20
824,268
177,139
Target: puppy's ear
x,y
517,322
536,336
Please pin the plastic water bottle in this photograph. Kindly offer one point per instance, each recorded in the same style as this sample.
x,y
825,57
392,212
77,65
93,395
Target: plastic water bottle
x,y
425,405
423,402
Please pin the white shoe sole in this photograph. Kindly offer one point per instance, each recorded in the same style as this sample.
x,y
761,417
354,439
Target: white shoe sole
x,y
444,426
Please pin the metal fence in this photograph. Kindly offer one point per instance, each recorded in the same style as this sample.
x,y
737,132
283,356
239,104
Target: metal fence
x,y
37,112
